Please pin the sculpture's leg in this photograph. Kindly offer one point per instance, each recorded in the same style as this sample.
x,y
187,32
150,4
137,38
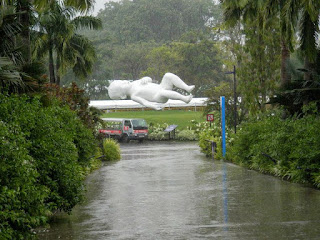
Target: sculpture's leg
x,y
175,96
169,80
146,103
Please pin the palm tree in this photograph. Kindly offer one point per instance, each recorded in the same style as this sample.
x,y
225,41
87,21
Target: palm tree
x,y
304,15
57,36
24,7
250,10
279,9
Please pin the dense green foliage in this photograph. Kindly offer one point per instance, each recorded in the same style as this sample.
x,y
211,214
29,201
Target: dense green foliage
x,y
299,92
21,197
76,99
159,20
286,148
111,150
44,151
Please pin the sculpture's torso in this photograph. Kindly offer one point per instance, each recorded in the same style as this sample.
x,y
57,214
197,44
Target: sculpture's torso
x,y
148,91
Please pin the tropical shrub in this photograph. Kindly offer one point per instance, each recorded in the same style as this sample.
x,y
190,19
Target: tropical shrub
x,y
158,136
93,163
156,132
44,152
85,143
111,150
205,139
75,98
288,148
187,135
21,197
57,156
206,134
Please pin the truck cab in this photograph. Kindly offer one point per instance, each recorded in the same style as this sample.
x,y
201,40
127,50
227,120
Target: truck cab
x,y
125,129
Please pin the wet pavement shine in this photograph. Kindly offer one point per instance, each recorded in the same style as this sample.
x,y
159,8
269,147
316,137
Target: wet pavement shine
x,y
169,190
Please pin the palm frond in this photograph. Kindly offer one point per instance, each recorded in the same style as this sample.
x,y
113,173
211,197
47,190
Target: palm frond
x,y
86,57
82,5
41,46
10,79
9,29
232,16
308,36
312,7
89,22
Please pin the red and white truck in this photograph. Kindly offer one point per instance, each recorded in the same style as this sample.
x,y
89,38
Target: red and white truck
x,y
125,129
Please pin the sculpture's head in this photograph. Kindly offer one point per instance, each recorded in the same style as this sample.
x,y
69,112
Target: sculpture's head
x,y
118,89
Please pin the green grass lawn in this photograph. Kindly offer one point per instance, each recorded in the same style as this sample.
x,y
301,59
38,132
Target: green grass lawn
x,y
178,117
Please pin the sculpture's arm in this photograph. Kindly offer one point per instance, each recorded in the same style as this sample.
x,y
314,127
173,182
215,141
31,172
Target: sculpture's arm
x,y
145,102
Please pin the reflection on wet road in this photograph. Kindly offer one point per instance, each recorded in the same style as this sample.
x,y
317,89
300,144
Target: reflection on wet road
x,y
171,191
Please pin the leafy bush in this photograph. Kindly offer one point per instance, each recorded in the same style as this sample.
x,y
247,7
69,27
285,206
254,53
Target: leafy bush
x,y
21,197
158,136
111,150
85,143
75,98
206,134
44,152
187,135
156,132
57,156
156,128
286,148
205,139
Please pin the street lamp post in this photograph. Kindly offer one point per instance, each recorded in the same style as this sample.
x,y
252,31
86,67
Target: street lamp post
x,y
234,96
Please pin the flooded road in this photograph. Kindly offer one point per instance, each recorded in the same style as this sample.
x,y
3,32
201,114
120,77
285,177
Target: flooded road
x,y
171,191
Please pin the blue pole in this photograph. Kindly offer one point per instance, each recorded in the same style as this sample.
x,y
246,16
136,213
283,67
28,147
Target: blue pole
x,y
223,125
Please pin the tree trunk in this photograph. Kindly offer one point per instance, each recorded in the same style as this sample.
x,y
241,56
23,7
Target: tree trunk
x,y
285,56
58,70
51,65
260,69
308,68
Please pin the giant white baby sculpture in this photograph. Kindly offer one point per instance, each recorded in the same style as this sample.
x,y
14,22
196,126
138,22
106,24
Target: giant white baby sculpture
x,y
147,93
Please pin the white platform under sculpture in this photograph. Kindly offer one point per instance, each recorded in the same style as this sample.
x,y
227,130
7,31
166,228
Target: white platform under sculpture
x,y
127,104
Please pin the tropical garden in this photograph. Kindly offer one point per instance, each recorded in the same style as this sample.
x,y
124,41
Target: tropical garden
x,y
55,56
